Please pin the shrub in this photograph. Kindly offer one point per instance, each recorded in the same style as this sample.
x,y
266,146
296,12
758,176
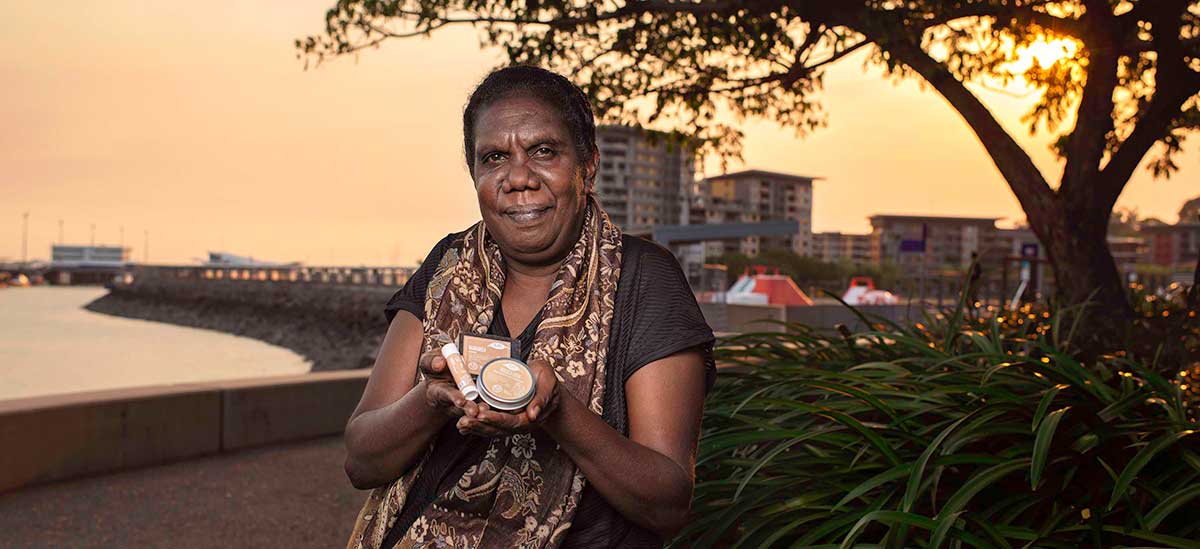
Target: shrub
x,y
959,431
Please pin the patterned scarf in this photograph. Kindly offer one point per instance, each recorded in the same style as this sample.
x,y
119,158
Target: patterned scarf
x,y
522,493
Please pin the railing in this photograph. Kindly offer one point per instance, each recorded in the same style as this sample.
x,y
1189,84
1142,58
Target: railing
x,y
357,276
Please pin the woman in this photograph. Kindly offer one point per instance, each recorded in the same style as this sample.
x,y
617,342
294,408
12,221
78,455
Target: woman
x,y
604,454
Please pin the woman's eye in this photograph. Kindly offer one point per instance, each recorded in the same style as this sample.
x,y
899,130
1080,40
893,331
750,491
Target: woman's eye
x,y
492,157
543,152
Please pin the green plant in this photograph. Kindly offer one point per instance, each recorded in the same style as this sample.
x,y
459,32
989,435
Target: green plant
x,y
958,431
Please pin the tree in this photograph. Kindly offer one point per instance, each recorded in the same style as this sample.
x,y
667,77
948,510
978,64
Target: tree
x,y
1190,211
1124,222
1130,88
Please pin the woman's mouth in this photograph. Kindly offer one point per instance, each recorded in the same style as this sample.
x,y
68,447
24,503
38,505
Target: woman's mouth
x,y
528,214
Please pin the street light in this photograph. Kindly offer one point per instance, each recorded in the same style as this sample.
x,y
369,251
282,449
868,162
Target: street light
x,y
25,238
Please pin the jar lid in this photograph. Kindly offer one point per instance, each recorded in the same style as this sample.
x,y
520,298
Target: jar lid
x,y
507,381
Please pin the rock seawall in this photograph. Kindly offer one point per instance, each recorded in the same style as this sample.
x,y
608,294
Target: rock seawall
x,y
336,327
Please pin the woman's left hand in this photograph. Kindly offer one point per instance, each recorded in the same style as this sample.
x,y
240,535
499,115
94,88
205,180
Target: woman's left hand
x,y
487,422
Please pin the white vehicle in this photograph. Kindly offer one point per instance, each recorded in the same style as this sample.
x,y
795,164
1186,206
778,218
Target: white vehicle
x,y
862,292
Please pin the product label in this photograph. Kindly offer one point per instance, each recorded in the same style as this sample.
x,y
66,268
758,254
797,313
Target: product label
x,y
507,380
478,350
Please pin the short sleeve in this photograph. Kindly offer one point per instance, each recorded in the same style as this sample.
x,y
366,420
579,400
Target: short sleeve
x,y
668,319
411,297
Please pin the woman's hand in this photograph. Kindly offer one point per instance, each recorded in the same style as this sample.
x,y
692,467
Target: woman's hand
x,y
486,422
441,393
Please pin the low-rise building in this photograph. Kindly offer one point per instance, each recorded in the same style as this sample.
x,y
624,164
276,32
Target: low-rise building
x,y
756,196
62,255
86,264
943,241
837,247
1171,246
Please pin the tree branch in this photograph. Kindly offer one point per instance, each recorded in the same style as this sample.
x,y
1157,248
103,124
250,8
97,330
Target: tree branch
x,y
1021,14
1027,183
1094,120
1175,83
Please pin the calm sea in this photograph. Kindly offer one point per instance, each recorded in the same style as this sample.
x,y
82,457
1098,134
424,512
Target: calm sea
x,y
49,344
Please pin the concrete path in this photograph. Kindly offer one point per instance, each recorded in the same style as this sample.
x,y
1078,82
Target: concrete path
x,y
292,495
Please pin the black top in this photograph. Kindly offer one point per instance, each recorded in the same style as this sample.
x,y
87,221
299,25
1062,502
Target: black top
x,y
655,315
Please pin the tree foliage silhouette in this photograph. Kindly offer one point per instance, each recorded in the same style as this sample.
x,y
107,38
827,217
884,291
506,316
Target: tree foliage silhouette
x,y
1128,94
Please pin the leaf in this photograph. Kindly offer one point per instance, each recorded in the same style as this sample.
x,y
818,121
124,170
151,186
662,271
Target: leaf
x,y
885,477
1170,541
1044,405
918,470
943,528
1085,442
909,519
1139,461
1169,504
763,462
1041,445
978,482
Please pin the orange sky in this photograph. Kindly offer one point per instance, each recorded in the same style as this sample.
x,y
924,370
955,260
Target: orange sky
x,y
200,126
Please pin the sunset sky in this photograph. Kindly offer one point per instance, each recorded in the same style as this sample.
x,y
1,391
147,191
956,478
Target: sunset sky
x,y
195,121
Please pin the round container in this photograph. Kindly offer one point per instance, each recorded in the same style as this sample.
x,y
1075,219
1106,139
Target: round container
x,y
505,384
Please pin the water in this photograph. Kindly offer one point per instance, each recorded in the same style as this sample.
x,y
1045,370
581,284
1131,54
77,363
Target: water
x,y
49,344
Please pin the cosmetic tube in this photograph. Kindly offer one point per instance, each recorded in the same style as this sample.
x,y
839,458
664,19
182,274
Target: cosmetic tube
x,y
458,370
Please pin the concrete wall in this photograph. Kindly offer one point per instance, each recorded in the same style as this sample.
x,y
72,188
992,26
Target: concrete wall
x,y
730,318
57,437
826,317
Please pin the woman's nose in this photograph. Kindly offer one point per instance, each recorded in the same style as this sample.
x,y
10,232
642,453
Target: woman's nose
x,y
520,178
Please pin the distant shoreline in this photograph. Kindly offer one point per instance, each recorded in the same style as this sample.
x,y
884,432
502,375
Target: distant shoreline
x,y
328,344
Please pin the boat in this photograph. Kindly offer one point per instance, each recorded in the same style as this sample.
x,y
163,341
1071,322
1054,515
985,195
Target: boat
x,y
862,291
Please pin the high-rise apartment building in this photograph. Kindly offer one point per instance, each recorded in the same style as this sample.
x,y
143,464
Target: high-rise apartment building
x,y
644,179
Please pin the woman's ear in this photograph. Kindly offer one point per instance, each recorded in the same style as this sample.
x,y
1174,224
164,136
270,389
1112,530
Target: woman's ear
x,y
590,167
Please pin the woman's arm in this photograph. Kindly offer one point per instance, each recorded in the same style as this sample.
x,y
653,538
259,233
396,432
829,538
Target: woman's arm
x,y
647,477
396,419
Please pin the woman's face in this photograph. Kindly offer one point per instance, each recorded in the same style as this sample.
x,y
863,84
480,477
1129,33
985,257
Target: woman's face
x,y
530,180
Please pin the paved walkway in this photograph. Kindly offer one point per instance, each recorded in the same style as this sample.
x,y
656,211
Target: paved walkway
x,y
292,495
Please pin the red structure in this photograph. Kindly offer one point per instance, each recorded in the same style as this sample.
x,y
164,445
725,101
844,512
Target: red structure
x,y
768,289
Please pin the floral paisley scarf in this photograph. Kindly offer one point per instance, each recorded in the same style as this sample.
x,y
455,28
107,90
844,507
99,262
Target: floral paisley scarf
x,y
521,494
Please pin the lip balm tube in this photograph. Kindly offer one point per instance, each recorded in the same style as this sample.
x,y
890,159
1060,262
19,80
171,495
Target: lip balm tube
x,y
458,370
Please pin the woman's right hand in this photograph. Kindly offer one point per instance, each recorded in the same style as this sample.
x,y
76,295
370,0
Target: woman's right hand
x,y
441,392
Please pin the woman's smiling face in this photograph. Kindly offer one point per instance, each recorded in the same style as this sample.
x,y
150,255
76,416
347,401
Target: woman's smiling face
x,y
531,183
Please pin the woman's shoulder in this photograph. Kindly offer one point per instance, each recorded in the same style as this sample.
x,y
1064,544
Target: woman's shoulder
x,y
658,295
649,259
659,315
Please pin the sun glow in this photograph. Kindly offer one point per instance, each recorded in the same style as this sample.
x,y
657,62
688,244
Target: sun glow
x,y
1043,52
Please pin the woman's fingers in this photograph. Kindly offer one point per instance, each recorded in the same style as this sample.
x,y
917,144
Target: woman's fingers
x,y
473,426
433,365
446,397
513,423
547,387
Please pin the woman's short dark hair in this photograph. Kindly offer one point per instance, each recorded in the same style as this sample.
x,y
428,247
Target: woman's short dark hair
x,y
552,88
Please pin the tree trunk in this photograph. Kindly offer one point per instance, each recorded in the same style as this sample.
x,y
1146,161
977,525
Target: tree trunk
x,y
1071,223
1085,274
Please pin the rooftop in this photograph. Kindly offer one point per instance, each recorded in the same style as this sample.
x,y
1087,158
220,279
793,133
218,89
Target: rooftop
x,y
1154,227
933,218
746,174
